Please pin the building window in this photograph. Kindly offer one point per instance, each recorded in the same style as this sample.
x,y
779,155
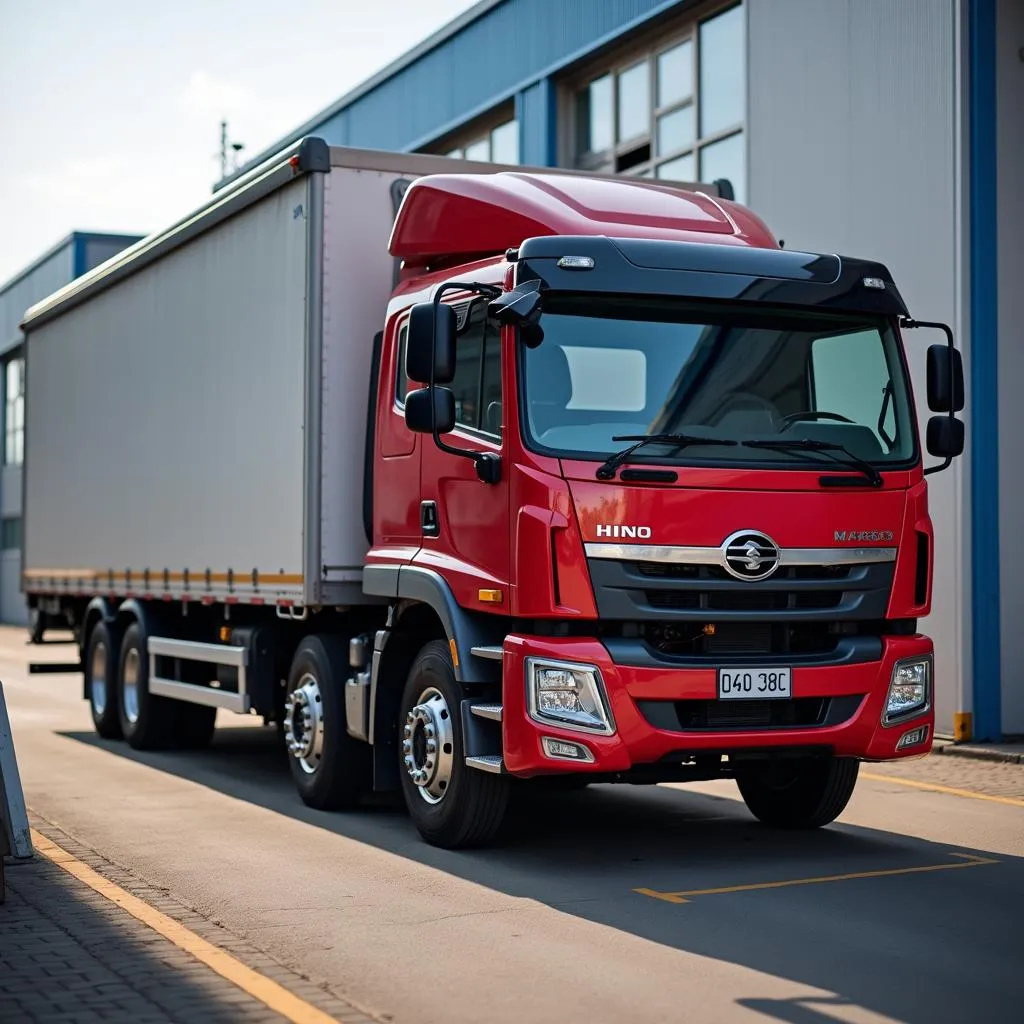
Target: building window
x,y
14,412
671,109
10,533
491,142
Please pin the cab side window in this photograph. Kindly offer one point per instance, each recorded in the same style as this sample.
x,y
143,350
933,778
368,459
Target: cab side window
x,y
477,383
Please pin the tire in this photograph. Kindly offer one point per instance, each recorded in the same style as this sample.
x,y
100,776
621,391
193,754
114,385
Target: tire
x,y
800,794
38,621
194,726
147,722
331,769
453,806
100,668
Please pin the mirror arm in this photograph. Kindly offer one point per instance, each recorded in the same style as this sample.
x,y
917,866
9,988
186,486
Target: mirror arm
x,y
488,465
907,323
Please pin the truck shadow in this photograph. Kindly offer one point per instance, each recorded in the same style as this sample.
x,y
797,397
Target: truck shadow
x,y
914,945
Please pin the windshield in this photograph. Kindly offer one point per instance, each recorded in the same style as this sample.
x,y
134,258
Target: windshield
x,y
608,369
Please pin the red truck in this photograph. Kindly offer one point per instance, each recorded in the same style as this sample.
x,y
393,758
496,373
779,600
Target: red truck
x,y
583,477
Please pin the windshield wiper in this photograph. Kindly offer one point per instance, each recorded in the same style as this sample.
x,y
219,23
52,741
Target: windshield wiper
x,y
827,448
606,471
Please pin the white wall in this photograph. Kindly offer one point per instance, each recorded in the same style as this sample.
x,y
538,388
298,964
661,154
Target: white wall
x,y
853,148
1010,193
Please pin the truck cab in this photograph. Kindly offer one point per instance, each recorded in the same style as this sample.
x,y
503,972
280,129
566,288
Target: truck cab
x,y
649,503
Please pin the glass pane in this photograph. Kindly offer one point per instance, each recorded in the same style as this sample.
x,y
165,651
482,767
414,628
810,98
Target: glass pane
x,y
594,116
456,154
505,143
723,82
680,169
466,385
490,402
676,130
479,150
401,381
634,102
726,159
675,74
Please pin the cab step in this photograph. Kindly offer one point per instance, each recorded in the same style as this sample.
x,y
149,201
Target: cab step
x,y
491,711
490,653
487,763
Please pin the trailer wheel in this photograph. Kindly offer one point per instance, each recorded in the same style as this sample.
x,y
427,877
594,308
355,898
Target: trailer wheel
x,y
332,770
37,624
451,805
100,667
799,794
146,721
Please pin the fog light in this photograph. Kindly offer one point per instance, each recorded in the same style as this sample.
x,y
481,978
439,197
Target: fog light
x,y
913,738
569,694
909,689
562,750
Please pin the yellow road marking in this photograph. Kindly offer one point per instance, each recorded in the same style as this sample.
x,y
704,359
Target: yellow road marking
x,y
969,860
268,992
969,793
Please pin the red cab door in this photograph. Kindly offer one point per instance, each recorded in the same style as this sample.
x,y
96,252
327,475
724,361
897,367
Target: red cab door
x,y
464,521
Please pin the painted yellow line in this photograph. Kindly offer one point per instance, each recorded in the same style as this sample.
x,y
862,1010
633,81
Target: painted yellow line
x,y
1012,801
969,860
268,992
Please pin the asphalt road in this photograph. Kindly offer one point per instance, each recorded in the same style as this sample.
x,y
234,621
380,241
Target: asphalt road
x,y
618,904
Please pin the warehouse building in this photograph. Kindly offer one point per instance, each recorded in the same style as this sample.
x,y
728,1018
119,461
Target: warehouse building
x,y
76,254
878,129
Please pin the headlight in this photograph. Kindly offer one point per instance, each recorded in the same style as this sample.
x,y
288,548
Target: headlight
x,y
567,694
909,689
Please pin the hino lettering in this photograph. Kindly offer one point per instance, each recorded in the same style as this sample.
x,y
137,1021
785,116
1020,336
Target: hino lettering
x,y
640,532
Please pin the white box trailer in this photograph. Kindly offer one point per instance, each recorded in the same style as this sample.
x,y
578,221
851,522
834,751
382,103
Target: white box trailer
x,y
196,408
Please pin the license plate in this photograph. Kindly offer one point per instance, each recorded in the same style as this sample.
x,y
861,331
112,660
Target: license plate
x,y
754,683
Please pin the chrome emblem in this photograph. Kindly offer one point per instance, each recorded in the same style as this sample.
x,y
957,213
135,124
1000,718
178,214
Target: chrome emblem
x,y
749,555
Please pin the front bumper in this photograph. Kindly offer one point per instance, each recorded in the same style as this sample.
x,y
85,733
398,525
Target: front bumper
x,y
858,694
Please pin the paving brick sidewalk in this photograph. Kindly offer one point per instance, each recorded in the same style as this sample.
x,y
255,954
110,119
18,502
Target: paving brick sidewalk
x,y
68,954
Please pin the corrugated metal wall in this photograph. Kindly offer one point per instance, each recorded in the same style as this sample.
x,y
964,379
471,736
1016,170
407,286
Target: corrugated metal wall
x,y
483,64
852,115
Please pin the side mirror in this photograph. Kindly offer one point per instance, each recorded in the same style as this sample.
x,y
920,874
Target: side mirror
x,y
945,381
427,407
945,434
431,340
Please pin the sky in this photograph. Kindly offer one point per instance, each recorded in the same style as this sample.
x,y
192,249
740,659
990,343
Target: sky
x,y
110,110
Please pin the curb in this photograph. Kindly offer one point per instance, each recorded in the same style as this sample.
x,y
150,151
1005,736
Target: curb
x,y
979,753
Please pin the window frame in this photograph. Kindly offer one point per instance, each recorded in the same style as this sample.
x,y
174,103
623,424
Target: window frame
x,y
648,48
14,435
489,326
455,143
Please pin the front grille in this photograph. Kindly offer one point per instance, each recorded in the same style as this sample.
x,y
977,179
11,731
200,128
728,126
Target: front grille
x,y
701,594
743,638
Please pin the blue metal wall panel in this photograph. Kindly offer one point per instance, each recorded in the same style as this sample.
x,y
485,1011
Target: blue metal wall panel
x,y
536,111
984,410
51,272
487,60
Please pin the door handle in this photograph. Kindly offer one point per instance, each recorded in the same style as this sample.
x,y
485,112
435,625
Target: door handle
x,y
430,524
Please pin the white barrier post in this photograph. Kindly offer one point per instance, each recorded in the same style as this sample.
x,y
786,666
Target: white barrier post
x,y
15,836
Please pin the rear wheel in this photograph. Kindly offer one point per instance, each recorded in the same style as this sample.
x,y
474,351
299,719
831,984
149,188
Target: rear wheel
x,y
332,770
101,680
146,721
798,794
451,805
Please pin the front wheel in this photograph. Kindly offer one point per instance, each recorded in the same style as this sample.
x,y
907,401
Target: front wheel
x,y
452,806
798,794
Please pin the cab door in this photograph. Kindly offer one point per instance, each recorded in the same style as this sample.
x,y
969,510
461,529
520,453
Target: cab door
x,y
464,522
